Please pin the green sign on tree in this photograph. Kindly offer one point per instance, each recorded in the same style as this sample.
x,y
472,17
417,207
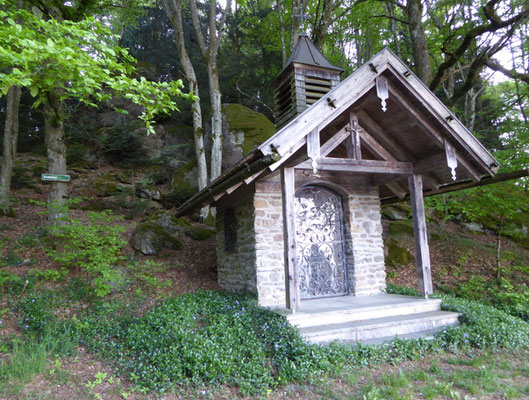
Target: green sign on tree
x,y
55,178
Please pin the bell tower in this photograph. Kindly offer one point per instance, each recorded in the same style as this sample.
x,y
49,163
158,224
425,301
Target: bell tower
x,y
307,76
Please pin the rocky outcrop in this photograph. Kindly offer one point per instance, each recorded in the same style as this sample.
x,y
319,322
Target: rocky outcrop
x,y
243,130
159,232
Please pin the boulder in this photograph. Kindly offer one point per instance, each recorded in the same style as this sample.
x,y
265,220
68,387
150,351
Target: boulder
x,y
159,232
396,213
243,130
105,185
145,192
473,226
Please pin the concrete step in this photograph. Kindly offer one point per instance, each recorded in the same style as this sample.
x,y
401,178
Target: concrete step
x,y
313,317
428,335
377,328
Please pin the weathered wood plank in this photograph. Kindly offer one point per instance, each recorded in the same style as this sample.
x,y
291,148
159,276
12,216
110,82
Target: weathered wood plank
x,y
322,113
441,112
360,166
334,141
288,187
439,139
313,148
374,147
383,138
422,251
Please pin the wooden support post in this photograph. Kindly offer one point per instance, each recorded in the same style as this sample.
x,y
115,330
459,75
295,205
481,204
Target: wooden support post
x,y
353,144
288,188
313,148
422,252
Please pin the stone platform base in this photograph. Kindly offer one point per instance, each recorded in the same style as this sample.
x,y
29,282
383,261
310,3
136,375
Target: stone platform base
x,y
370,319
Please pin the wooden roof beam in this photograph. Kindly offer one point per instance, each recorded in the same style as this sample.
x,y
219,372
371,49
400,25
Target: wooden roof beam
x,y
360,166
428,127
334,141
396,189
382,137
443,115
374,147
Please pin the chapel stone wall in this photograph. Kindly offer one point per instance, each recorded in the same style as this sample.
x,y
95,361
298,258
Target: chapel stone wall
x,y
269,248
257,265
364,244
236,268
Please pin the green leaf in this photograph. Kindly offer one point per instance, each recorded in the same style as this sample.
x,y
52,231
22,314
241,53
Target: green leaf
x,y
33,91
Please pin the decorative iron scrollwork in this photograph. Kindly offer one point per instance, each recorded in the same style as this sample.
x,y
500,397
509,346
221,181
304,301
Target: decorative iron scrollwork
x,y
320,243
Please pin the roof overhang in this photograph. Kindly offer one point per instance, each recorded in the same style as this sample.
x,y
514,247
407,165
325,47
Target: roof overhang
x,y
416,135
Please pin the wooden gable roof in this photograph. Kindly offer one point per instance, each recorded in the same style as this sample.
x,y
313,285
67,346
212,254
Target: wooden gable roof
x,y
413,135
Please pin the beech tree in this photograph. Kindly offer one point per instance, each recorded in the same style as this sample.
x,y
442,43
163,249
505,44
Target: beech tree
x,y
63,60
173,10
10,146
209,39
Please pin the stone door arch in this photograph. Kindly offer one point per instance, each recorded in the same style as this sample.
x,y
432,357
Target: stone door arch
x,y
320,243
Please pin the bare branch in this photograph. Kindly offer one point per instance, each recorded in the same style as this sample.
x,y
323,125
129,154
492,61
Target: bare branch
x,y
511,73
198,29
495,23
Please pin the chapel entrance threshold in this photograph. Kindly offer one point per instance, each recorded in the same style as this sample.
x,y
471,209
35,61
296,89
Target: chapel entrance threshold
x,y
370,319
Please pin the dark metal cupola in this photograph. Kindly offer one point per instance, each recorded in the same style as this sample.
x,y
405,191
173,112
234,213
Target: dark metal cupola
x,y
307,76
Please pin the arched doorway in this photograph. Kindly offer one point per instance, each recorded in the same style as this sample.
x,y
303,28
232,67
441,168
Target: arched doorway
x,y
320,244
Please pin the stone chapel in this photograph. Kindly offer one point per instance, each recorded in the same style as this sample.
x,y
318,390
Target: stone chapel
x,y
298,218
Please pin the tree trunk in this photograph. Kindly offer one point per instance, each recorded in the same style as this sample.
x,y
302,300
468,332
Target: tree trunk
x,y
470,109
498,248
174,13
56,147
216,120
322,26
209,53
393,27
418,40
10,145
282,32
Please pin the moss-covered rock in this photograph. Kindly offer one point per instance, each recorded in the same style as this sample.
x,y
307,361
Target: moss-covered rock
x,y
199,233
159,232
256,127
181,188
398,255
399,228
105,185
396,212
243,130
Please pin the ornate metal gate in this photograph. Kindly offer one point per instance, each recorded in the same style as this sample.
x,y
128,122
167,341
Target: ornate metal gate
x,y
320,243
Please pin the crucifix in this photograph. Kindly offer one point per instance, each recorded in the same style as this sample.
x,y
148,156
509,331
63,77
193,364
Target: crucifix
x,y
302,16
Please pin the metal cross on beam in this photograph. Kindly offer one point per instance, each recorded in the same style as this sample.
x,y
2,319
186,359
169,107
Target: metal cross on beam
x,y
302,16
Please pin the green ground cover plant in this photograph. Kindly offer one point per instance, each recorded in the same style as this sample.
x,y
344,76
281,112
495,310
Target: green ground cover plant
x,y
214,338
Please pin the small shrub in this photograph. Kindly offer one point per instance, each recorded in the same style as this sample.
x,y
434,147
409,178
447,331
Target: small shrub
x,y
37,311
48,274
7,277
94,246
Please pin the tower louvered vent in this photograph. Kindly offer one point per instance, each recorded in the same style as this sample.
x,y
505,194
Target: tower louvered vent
x,y
307,77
